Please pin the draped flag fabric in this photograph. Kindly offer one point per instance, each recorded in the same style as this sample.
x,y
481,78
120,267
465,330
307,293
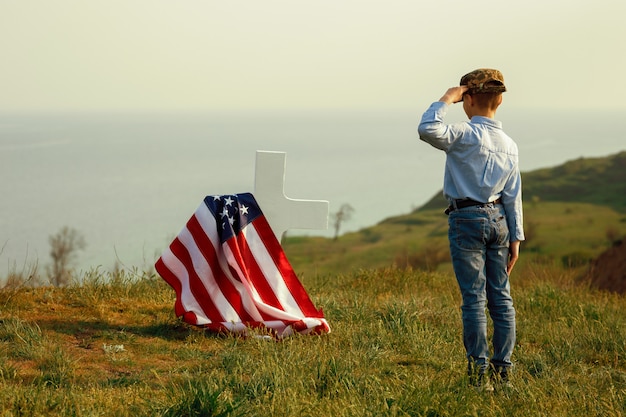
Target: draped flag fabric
x,y
231,274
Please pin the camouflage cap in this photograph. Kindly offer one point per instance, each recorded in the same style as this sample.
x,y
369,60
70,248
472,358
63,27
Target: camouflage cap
x,y
484,80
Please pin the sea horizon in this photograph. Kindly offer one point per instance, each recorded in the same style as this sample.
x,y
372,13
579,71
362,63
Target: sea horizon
x,y
128,182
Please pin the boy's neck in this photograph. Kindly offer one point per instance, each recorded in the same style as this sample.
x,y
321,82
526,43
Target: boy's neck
x,y
484,113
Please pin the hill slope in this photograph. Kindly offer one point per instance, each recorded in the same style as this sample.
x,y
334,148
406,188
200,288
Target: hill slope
x,y
572,214
608,271
599,181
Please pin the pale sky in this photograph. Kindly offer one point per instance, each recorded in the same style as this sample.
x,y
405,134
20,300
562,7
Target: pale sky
x,y
276,54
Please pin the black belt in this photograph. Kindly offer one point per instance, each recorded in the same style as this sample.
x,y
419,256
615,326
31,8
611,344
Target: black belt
x,y
468,202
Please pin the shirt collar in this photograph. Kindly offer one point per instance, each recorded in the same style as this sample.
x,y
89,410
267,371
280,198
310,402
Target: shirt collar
x,y
487,121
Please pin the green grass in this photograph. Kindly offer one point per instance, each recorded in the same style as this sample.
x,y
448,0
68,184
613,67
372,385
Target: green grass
x,y
566,232
592,180
395,350
110,345
598,181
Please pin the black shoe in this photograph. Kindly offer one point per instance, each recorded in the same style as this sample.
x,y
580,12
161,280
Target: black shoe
x,y
500,378
481,382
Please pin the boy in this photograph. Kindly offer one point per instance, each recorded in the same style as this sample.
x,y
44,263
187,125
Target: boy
x,y
482,182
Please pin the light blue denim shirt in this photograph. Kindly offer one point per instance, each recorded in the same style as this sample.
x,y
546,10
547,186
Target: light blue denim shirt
x,y
481,162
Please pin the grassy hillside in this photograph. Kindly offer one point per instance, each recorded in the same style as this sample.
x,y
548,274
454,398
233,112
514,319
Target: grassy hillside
x,y
556,232
600,181
572,224
111,346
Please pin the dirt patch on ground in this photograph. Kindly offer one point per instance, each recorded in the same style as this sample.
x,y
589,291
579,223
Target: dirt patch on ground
x,y
608,271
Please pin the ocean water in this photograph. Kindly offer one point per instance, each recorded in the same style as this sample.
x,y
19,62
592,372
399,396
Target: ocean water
x,y
129,182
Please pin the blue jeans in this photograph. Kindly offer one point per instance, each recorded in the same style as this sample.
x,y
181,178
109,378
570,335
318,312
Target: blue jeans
x,y
479,245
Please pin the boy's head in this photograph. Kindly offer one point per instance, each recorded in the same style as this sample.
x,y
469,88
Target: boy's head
x,y
483,80
485,86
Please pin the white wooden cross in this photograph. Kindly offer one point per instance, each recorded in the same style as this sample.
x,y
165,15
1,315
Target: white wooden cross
x,y
282,212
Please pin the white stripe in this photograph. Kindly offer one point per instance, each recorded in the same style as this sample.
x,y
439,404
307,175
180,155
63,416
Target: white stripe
x,y
249,296
205,273
188,301
208,224
235,327
289,315
271,271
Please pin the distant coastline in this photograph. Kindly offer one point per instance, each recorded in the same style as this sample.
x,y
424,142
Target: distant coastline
x,y
129,183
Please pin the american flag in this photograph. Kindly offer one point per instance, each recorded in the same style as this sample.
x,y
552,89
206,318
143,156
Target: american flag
x,y
231,274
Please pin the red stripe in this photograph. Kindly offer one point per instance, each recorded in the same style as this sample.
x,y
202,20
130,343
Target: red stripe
x,y
191,318
227,288
290,278
252,272
198,289
223,328
173,282
243,269
263,315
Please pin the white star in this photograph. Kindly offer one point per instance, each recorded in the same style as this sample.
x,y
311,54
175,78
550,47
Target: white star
x,y
231,220
243,209
225,212
216,198
228,201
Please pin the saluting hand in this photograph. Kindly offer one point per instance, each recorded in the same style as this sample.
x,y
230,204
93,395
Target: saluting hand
x,y
454,94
